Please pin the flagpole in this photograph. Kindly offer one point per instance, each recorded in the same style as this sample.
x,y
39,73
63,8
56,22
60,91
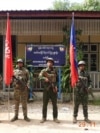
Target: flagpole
x,y
73,101
73,60
9,102
4,88
3,62
8,87
73,87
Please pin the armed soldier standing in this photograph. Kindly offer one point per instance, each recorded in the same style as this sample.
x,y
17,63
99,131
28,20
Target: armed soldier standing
x,y
21,83
81,92
49,77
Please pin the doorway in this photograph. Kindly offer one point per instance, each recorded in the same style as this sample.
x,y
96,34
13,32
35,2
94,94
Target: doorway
x,y
13,41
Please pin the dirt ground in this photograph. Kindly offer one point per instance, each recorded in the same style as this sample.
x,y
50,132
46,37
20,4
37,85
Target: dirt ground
x,y
65,112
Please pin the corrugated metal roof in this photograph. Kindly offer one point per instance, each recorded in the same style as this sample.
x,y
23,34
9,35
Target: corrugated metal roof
x,y
49,14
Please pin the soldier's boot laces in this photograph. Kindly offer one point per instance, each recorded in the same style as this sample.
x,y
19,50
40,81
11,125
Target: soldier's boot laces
x,y
14,118
56,120
26,119
74,120
43,120
87,120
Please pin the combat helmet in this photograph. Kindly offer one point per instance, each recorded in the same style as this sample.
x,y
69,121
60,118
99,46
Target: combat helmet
x,y
20,61
50,59
81,63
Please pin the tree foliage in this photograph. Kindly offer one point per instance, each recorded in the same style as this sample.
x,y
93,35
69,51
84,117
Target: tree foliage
x,y
61,5
87,5
91,5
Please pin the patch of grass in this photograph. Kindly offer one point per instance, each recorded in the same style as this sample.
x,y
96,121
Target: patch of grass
x,y
95,102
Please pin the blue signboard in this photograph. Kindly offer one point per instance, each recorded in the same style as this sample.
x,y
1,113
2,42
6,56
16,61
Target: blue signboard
x,y
39,53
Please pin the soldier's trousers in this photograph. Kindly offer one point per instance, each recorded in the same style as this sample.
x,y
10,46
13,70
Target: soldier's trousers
x,y
49,94
21,96
81,99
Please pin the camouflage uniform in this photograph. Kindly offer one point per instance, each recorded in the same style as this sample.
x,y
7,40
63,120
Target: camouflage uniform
x,y
81,93
20,90
49,92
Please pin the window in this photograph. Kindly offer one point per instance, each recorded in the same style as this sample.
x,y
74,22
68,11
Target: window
x,y
93,48
85,48
91,56
93,62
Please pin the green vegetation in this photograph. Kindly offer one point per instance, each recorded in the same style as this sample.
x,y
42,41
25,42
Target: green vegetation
x,y
87,5
95,102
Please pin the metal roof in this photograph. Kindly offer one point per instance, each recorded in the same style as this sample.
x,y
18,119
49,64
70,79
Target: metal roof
x,y
37,14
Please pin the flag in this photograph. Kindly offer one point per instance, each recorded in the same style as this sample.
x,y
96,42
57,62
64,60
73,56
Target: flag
x,y
8,66
73,58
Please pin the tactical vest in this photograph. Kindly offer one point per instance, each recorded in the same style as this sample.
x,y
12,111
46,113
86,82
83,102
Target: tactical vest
x,y
20,80
82,84
52,76
83,75
21,74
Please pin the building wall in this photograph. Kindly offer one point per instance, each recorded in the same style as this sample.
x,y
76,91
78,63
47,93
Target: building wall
x,y
50,26
43,39
50,31
58,39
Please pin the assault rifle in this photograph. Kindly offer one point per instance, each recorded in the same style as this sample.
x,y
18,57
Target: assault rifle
x,y
52,80
22,85
84,87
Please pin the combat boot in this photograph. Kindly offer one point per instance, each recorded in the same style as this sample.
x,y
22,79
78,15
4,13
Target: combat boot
x,y
26,119
14,118
56,120
87,120
43,120
74,120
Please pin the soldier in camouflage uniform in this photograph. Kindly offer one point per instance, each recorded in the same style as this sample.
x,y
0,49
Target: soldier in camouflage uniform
x,y
21,83
50,89
81,92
